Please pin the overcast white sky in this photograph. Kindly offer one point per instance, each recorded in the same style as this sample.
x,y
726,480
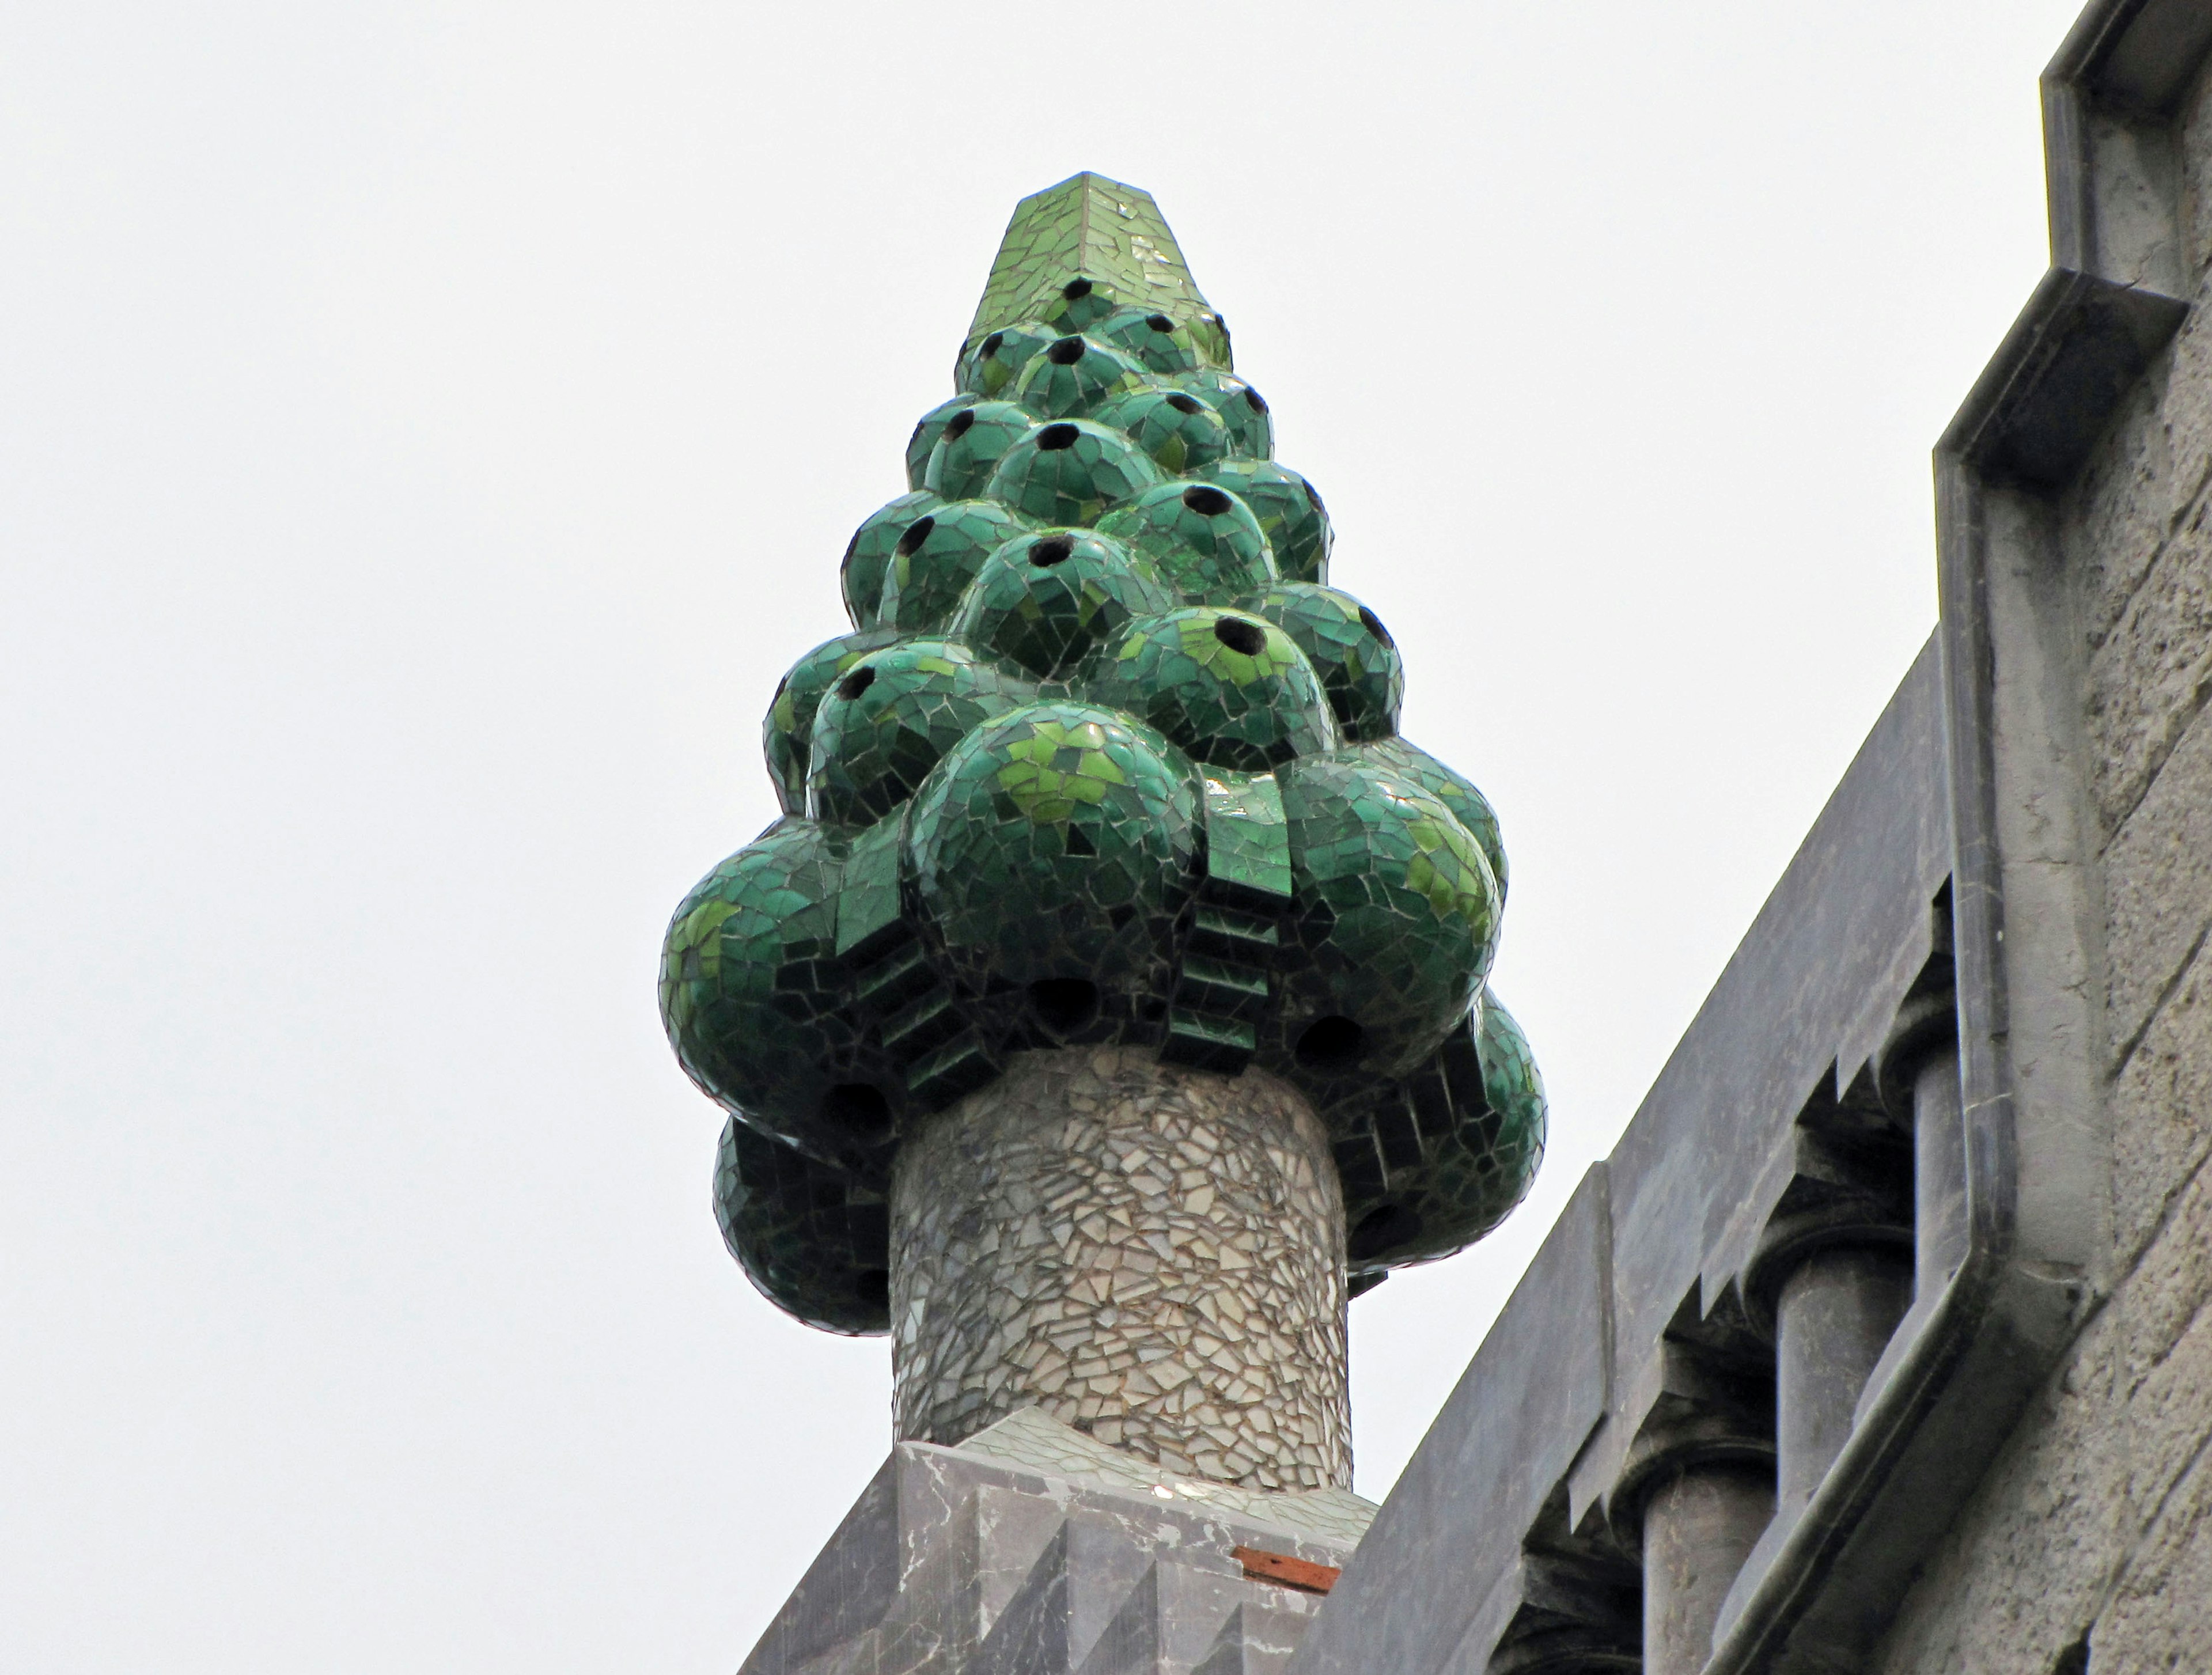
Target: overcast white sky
x,y
427,431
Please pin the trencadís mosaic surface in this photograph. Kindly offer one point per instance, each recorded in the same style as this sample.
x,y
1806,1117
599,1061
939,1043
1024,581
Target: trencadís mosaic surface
x,y
1103,758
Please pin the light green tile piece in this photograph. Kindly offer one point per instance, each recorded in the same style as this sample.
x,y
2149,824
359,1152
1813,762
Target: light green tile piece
x,y
1090,228
1248,840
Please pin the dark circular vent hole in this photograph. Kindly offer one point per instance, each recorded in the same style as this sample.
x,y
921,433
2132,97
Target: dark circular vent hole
x,y
1384,1229
991,343
852,687
960,424
1052,438
1159,322
1239,635
1331,1043
873,1288
1062,1004
1053,549
1065,353
1256,401
1076,289
1373,624
1183,404
857,1105
1206,502
917,532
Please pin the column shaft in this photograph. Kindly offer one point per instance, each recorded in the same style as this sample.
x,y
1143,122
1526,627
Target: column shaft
x,y
1151,1254
1699,1526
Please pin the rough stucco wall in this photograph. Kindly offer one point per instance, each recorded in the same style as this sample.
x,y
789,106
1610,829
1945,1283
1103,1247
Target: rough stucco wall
x,y
2097,1516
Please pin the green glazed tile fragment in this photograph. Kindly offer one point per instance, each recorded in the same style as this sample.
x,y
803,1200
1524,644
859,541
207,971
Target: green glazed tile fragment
x,y
867,902
788,729
937,557
1071,472
1229,688
1289,512
1248,838
1072,376
1350,649
926,433
1180,432
868,555
888,720
1047,602
972,444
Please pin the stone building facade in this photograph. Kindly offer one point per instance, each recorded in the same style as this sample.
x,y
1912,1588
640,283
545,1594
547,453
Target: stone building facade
x,y
1882,1343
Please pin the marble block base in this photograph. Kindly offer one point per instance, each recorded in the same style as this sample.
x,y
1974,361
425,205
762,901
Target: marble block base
x,y
1030,1548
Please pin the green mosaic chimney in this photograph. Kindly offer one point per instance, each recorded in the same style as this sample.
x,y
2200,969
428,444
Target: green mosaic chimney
x,y
1102,758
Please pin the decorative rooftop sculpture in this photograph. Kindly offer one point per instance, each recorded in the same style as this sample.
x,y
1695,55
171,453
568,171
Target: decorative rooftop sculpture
x,y
1106,774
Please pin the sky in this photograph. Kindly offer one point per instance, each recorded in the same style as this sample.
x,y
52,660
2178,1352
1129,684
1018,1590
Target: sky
x,y
429,430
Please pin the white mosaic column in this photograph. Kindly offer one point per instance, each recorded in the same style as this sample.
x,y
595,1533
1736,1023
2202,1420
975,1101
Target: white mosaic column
x,y
1152,1254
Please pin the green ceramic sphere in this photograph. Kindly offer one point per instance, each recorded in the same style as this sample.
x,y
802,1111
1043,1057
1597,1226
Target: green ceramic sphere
x,y
936,559
989,368
1202,539
812,1239
1155,340
788,729
868,554
1070,378
890,718
1393,923
1466,1131
1243,411
1350,649
974,441
1082,302
926,434
1457,792
1071,473
1047,602
757,1005
1227,688
1180,432
1052,853
1289,512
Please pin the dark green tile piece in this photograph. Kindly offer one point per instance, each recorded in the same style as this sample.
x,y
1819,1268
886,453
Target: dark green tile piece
x,y
815,1240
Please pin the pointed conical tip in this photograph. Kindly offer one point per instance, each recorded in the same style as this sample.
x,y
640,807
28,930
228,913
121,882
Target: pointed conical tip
x,y
1089,237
